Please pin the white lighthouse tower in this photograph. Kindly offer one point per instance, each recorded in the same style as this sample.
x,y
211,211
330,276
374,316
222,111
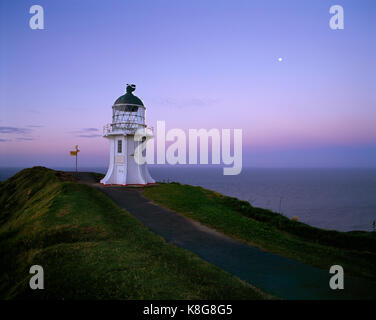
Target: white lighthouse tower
x,y
128,116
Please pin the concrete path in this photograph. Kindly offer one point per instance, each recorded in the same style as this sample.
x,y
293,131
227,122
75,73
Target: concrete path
x,y
277,275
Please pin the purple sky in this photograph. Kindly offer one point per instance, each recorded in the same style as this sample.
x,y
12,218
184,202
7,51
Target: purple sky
x,y
196,64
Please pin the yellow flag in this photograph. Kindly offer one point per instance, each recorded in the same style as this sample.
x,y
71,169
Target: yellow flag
x,y
73,153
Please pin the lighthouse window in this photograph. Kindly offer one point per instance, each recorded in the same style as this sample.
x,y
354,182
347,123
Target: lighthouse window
x,y
120,145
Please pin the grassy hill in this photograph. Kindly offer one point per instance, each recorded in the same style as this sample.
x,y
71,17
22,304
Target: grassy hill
x,y
91,249
273,232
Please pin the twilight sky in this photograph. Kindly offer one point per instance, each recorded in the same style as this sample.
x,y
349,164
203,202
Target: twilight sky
x,y
196,64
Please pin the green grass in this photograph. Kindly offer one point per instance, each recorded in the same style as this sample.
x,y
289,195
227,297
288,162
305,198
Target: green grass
x,y
92,249
355,251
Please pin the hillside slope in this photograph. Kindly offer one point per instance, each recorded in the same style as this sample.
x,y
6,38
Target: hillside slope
x,y
91,249
273,232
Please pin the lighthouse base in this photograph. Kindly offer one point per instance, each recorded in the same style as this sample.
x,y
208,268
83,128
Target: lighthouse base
x,y
123,169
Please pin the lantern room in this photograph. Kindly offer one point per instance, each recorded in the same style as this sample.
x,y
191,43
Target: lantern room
x,y
128,113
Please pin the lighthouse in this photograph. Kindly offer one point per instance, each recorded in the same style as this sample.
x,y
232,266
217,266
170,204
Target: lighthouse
x,y
128,120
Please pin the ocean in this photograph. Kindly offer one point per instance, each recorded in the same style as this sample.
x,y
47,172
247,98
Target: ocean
x,y
336,199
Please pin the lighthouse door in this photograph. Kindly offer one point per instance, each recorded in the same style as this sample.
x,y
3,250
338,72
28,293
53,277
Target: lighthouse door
x,y
120,175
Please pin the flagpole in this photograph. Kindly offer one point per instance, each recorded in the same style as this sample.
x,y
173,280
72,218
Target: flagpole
x,y
75,153
76,157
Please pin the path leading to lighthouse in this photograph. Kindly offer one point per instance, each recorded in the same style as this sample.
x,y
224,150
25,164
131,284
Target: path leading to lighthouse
x,y
277,275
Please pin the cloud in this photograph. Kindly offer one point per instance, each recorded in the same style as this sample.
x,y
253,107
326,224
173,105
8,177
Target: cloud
x,y
14,130
86,133
89,135
85,130
184,102
25,139
90,129
19,133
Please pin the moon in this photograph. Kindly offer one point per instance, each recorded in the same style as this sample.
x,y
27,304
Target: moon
x,y
280,59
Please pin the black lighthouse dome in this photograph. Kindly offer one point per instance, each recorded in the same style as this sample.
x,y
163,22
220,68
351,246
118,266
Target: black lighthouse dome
x,y
129,97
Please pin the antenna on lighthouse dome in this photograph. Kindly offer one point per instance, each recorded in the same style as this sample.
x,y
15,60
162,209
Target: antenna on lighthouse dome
x,y
131,88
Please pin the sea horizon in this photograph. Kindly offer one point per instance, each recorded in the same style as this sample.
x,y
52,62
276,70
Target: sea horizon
x,y
330,198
